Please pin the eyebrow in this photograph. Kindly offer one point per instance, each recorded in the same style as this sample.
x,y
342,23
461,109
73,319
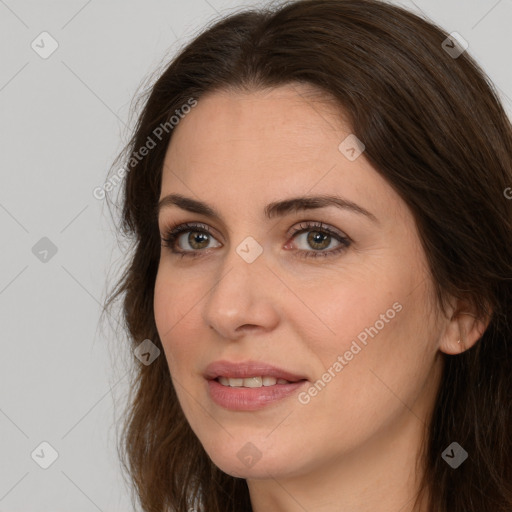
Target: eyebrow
x,y
274,209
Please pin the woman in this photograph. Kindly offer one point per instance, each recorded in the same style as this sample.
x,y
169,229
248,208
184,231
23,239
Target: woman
x,y
322,260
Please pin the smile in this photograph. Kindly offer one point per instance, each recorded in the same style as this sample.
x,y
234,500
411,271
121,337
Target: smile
x,y
251,382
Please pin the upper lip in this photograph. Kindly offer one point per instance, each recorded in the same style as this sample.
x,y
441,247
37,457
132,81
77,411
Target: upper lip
x,y
246,369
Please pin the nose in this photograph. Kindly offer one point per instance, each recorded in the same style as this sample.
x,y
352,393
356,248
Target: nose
x,y
243,298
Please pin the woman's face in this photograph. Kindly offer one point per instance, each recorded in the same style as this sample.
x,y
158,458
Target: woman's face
x,y
354,321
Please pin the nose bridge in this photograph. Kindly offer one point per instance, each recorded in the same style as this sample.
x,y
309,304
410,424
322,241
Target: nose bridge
x,y
239,275
238,297
243,264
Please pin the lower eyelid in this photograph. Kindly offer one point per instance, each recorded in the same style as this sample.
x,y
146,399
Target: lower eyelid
x,y
170,240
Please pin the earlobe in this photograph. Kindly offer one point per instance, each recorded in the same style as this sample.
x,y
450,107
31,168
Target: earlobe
x,y
452,341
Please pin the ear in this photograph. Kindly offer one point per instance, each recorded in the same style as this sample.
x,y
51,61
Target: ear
x,y
463,328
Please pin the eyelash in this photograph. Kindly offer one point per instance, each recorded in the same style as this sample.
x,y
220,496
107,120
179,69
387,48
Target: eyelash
x,y
173,232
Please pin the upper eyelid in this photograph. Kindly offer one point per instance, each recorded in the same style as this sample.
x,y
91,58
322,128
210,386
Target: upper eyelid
x,y
321,226
176,230
297,228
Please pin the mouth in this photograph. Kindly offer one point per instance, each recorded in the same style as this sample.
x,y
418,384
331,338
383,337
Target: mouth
x,y
251,374
250,385
254,382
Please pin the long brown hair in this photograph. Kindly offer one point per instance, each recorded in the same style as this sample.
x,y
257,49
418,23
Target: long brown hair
x,y
435,129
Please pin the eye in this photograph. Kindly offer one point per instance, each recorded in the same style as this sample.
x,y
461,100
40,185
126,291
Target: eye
x,y
320,237
199,236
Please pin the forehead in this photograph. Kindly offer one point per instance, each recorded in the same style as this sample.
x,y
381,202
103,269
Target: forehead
x,y
261,129
254,147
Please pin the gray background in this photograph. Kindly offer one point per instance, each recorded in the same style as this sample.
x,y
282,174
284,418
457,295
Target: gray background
x,y
63,120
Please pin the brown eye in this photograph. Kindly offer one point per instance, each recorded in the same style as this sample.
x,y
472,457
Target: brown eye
x,y
320,238
317,239
198,238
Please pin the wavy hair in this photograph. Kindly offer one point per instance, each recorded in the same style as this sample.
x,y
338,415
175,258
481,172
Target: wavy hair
x,y
435,129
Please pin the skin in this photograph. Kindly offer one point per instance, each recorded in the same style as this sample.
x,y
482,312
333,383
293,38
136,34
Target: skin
x,y
354,445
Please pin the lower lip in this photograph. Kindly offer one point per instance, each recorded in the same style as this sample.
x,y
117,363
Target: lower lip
x,y
250,399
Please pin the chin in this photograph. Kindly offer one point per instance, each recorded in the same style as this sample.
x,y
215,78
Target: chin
x,y
246,459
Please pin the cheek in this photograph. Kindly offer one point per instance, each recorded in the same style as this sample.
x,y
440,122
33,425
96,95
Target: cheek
x,y
372,326
164,305
174,317
356,307
175,299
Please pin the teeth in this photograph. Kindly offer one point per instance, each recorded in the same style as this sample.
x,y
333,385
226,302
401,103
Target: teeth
x,y
251,382
269,381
